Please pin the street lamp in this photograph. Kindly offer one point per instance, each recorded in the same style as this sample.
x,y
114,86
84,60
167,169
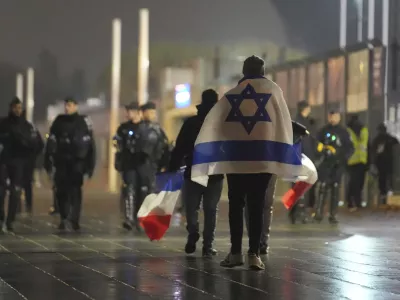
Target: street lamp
x,y
114,107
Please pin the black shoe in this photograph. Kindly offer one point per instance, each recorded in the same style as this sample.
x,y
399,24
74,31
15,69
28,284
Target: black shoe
x,y
62,225
333,220
75,226
318,219
209,252
127,225
305,220
263,250
191,243
9,227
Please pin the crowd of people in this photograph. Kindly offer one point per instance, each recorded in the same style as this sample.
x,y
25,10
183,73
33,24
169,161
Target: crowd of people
x,y
353,153
143,150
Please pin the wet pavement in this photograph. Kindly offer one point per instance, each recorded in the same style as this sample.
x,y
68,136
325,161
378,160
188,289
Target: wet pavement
x,y
357,260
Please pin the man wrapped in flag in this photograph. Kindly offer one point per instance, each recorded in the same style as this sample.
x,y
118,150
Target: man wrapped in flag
x,y
248,136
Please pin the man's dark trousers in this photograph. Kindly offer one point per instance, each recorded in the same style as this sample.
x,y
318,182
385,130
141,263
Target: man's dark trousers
x,y
138,183
250,189
356,184
27,186
268,210
192,195
13,170
69,180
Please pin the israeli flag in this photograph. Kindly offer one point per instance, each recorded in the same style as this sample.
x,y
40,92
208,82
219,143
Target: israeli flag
x,y
248,131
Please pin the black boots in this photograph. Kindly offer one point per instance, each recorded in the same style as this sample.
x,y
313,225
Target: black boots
x,y
334,203
319,212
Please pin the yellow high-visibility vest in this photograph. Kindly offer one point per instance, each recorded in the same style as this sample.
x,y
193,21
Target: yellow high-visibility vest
x,y
360,144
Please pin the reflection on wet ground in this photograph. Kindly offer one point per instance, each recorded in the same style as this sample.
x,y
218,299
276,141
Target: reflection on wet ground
x,y
104,262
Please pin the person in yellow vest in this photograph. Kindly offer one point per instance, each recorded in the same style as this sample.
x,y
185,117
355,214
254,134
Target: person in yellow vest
x,y
357,163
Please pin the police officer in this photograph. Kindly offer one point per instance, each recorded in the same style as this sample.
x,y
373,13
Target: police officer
x,y
334,150
357,163
149,114
71,151
18,138
308,146
137,159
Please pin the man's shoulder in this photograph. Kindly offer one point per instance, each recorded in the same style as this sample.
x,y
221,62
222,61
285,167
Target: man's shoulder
x,y
192,120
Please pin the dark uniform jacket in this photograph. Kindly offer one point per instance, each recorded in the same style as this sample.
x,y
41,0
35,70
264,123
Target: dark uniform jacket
x,y
18,139
138,144
71,142
338,137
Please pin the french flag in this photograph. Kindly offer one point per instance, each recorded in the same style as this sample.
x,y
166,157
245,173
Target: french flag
x,y
302,183
157,209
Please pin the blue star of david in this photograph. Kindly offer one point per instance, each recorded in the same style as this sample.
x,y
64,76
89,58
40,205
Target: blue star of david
x,y
248,122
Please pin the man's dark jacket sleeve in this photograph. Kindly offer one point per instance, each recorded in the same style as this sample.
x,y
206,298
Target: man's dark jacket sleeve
x,y
182,147
91,158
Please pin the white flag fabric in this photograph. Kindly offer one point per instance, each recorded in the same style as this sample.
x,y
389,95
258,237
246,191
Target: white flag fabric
x,y
302,183
249,130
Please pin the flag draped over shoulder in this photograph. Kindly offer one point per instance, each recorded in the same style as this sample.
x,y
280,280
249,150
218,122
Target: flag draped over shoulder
x,y
248,131
157,209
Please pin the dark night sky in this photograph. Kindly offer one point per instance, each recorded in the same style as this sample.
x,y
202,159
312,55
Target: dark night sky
x,y
78,32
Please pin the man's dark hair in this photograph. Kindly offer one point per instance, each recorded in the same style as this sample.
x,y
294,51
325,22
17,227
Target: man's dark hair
x,y
15,101
132,106
70,99
253,66
209,97
148,106
302,105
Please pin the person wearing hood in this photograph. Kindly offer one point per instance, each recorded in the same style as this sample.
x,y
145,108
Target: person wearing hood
x,y
382,158
357,163
18,139
193,193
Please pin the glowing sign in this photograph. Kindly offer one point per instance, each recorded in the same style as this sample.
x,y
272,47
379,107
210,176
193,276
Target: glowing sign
x,y
182,95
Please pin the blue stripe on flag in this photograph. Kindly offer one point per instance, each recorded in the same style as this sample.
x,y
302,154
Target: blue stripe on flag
x,y
169,182
222,151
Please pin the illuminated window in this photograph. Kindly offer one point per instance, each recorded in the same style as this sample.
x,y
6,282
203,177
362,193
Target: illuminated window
x,y
357,98
282,81
336,85
377,71
297,86
316,84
